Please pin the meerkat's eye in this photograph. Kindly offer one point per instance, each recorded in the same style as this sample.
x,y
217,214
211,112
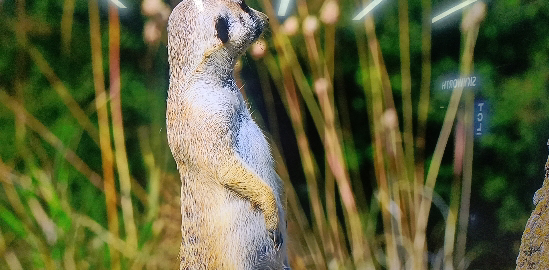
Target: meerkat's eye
x,y
222,28
244,7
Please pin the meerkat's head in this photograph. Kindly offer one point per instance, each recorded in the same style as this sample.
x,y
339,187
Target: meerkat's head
x,y
198,29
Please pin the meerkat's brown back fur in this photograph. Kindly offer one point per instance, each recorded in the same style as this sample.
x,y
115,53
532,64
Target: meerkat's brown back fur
x,y
231,197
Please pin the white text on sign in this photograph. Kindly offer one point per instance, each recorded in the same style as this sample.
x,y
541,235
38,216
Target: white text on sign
x,y
461,82
479,117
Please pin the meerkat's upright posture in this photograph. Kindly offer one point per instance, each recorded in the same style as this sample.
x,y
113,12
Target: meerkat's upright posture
x,y
231,197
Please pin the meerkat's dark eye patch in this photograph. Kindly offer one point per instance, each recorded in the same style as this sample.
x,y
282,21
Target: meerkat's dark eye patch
x,y
245,7
222,28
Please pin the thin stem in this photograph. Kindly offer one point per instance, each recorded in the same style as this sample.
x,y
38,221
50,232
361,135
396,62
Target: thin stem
x,y
451,220
118,128
467,178
408,206
104,130
20,130
425,206
66,26
423,107
407,113
153,174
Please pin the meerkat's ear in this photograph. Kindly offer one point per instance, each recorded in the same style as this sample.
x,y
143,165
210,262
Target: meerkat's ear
x,y
222,28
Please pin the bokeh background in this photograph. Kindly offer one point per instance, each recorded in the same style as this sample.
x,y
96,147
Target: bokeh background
x,y
354,110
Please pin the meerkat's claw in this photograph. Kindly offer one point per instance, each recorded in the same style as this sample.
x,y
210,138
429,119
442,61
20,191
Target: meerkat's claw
x,y
276,237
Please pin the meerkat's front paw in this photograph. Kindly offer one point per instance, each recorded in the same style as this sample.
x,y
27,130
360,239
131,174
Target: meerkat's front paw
x,y
267,205
271,223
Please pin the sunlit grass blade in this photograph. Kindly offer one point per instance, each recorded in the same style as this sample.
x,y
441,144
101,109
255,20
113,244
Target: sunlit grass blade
x,y
118,128
104,129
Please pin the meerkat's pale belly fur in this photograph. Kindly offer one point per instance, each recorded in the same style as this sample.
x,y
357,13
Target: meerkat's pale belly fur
x,y
232,200
222,229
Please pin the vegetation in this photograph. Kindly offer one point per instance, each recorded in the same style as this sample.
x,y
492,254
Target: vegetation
x,y
381,165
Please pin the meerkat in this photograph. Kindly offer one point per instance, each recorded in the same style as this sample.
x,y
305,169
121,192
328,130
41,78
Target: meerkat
x,y
232,200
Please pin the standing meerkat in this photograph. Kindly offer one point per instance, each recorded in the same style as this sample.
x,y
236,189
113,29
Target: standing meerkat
x,y
231,197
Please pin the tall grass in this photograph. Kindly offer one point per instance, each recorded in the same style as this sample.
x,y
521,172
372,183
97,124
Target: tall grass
x,y
126,223
403,194
45,225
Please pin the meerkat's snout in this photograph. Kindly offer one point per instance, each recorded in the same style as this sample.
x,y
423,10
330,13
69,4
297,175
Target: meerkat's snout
x,y
249,23
262,24
263,19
